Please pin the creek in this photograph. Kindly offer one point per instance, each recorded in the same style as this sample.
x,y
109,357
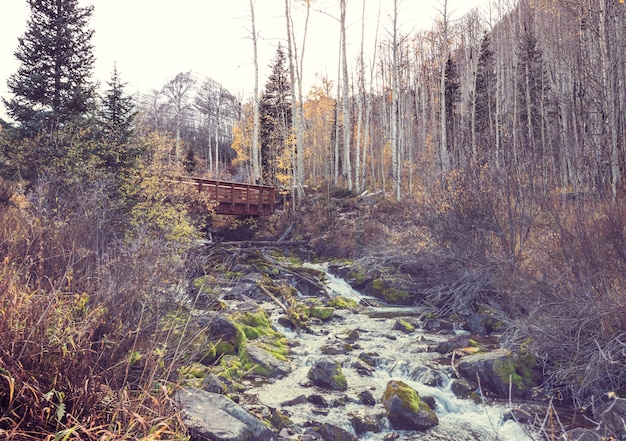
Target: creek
x,y
399,356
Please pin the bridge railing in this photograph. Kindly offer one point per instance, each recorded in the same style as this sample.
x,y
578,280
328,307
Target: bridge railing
x,y
234,198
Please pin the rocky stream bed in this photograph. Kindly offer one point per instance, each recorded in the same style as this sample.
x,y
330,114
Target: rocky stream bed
x,y
327,362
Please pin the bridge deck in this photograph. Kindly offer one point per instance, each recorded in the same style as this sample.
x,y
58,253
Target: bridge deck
x,y
235,198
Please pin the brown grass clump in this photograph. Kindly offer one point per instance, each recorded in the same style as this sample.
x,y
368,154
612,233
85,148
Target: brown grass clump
x,y
83,353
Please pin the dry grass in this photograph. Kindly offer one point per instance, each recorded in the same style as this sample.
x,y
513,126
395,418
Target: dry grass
x,y
82,352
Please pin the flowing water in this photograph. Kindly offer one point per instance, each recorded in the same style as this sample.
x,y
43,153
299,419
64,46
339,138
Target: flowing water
x,y
399,356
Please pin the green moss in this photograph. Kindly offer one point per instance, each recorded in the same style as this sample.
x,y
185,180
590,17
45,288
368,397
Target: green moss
x,y
339,381
205,284
340,302
321,312
404,326
357,276
224,348
233,275
408,396
279,420
193,370
517,369
208,354
387,293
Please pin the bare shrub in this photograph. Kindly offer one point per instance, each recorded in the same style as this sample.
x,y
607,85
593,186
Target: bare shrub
x,y
576,322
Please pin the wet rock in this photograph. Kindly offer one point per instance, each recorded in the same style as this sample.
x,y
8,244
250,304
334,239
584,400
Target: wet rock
x,y
330,432
499,368
352,336
340,401
212,383
430,400
458,342
300,399
405,409
404,326
335,349
284,435
367,398
327,373
612,417
369,358
427,376
219,328
267,364
483,324
462,388
317,400
215,417
363,368
580,434
242,291
365,422
526,413
436,325
286,322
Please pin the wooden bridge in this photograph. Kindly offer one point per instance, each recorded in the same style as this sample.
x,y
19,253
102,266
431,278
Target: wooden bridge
x,y
234,198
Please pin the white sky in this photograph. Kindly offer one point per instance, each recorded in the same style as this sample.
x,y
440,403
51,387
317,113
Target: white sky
x,y
151,40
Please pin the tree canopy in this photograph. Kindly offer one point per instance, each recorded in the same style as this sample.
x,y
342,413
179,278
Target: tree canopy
x,y
53,84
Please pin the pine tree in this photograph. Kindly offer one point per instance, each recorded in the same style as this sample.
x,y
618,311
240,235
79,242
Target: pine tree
x,y
485,88
52,85
453,97
275,118
117,113
116,122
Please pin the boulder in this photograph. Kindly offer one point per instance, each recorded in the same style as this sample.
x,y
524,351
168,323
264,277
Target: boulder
x,y
366,397
330,432
462,388
427,376
212,383
214,417
327,373
497,369
457,342
404,326
405,409
265,363
366,422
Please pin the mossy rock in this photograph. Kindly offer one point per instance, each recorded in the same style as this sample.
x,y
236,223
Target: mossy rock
x,y
499,369
224,348
404,326
340,302
383,290
327,373
405,409
321,312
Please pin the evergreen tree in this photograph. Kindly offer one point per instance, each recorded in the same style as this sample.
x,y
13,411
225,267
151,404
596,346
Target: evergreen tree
x,y
275,118
117,112
52,85
531,85
453,97
116,120
485,87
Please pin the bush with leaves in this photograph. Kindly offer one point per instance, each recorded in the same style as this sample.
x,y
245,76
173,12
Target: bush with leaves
x,y
90,259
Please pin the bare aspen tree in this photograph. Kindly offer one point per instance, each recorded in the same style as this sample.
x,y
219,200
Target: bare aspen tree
x,y
256,167
347,122
177,91
395,113
444,156
296,62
